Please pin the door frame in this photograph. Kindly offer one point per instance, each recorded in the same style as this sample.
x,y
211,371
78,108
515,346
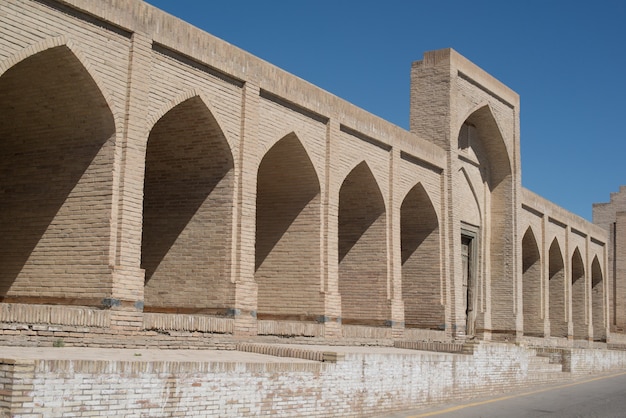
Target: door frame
x,y
469,235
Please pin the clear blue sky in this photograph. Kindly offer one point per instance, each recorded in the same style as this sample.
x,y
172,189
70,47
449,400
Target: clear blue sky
x,y
566,60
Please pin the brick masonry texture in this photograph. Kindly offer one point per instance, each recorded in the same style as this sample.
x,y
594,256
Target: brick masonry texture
x,y
162,188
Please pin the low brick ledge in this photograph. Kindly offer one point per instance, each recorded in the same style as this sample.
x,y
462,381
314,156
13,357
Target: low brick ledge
x,y
437,346
293,352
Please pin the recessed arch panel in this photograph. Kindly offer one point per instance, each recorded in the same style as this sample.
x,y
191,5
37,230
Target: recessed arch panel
x,y
288,225
57,135
491,149
187,217
421,263
579,296
556,280
532,285
484,152
597,301
362,246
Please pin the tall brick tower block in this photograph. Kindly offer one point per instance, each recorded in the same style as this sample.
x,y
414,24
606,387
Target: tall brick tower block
x,y
475,118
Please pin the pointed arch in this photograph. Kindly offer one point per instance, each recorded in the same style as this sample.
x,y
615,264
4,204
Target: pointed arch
x,y
57,134
63,42
288,131
491,149
188,195
597,301
181,98
556,279
421,263
579,296
532,285
288,231
30,51
487,153
362,246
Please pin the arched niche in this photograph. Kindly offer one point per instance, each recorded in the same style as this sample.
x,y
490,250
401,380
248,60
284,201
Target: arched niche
x,y
556,280
484,156
597,301
187,213
362,246
579,300
288,225
57,135
421,263
532,285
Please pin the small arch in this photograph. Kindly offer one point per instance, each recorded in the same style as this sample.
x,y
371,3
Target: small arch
x,y
579,305
288,231
57,143
556,281
188,200
421,264
362,247
532,285
597,301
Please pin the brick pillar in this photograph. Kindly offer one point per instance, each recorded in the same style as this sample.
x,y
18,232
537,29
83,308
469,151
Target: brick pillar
x,y
394,254
330,196
619,269
126,302
16,387
244,227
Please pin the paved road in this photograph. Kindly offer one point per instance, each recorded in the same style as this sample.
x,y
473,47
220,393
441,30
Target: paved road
x,y
598,396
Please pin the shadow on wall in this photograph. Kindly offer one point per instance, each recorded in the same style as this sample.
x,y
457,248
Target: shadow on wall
x,y
286,184
187,159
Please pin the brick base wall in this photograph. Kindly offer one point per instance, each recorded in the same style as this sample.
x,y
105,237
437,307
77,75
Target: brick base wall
x,y
356,382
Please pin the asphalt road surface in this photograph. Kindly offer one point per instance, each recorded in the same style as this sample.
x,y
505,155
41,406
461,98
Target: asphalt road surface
x,y
597,396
